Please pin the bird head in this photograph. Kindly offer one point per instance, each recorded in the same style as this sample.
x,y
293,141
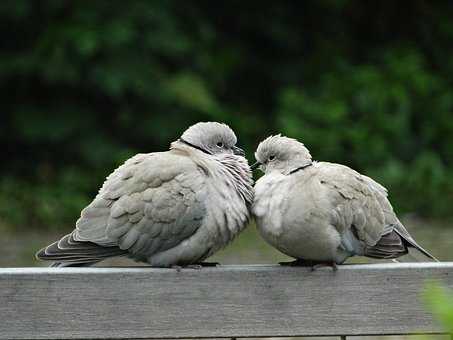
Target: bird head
x,y
212,138
282,154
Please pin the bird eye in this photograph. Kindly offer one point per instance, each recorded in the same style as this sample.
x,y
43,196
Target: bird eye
x,y
220,144
271,158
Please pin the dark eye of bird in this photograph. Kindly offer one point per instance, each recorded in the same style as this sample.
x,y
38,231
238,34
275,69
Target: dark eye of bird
x,y
220,144
271,158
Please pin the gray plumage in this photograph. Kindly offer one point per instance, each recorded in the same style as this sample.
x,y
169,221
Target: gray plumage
x,y
320,211
165,208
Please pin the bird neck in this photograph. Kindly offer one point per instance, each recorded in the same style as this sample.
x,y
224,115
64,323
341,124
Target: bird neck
x,y
300,168
182,144
236,170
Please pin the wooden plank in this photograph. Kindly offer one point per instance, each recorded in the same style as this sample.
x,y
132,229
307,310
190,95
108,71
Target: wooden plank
x,y
227,301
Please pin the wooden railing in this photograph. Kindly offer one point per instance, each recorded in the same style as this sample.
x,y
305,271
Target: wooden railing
x,y
218,302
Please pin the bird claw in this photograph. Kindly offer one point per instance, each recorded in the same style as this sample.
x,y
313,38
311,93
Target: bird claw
x,y
189,266
178,268
196,266
331,264
308,263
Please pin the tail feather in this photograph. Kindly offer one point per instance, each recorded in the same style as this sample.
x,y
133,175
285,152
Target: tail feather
x,y
394,244
404,234
389,246
70,252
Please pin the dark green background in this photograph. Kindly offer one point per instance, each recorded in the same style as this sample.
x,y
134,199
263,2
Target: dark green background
x,y
86,84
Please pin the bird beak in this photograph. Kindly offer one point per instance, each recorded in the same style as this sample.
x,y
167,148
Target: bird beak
x,y
238,151
255,166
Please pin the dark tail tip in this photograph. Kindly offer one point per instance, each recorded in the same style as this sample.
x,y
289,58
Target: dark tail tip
x,y
40,254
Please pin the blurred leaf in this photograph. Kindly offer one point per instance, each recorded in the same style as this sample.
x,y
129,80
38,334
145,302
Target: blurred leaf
x,y
191,91
440,302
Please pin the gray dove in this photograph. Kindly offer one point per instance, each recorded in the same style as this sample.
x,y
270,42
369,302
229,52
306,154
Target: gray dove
x,y
171,208
322,213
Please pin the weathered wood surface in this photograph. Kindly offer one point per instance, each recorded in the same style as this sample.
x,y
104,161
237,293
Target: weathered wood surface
x,y
227,301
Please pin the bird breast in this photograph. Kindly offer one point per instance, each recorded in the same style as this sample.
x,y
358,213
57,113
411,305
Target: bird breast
x,y
230,196
288,216
269,204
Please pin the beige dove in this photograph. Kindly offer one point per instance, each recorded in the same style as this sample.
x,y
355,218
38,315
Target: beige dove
x,y
176,207
320,212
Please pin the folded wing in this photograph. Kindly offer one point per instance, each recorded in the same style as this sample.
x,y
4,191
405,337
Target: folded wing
x,y
364,216
150,204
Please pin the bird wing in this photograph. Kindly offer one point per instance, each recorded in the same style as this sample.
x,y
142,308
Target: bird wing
x,y
395,234
149,204
364,216
357,213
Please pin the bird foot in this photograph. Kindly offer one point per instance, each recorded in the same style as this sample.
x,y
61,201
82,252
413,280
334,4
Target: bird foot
x,y
196,266
331,264
176,267
309,263
189,266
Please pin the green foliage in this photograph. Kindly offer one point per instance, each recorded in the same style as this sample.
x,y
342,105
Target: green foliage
x,y
440,302
374,118
86,84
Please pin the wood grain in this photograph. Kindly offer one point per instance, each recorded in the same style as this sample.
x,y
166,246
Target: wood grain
x,y
227,301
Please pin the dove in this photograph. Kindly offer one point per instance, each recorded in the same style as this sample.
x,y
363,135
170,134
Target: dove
x,y
322,213
171,208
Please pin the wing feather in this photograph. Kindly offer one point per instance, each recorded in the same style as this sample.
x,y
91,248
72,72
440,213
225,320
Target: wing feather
x,y
149,204
364,213
355,205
